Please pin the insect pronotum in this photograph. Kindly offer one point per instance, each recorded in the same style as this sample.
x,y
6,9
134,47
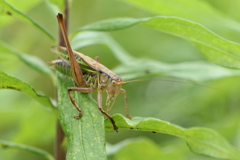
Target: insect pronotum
x,y
88,75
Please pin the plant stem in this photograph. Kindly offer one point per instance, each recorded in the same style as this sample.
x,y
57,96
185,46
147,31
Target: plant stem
x,y
60,153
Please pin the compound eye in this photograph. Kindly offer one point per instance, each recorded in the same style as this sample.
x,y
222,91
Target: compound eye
x,y
114,82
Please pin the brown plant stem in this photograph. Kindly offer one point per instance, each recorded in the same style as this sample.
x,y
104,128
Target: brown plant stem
x,y
60,153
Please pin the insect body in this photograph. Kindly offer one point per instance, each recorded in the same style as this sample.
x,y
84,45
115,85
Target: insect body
x,y
88,75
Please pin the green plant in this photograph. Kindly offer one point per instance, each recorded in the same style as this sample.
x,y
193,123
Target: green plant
x,y
181,21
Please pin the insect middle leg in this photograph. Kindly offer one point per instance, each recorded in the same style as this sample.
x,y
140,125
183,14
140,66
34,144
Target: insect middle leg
x,y
85,90
126,104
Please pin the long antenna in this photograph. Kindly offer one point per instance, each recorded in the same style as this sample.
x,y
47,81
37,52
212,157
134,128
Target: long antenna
x,y
169,80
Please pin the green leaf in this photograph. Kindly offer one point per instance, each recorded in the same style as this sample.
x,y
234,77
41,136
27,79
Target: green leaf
x,y
5,12
195,10
27,19
200,140
86,136
197,71
53,8
29,60
212,46
129,149
40,152
84,39
8,82
60,4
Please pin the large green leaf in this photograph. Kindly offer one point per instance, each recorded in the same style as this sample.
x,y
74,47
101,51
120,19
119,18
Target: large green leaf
x,y
195,10
200,140
215,48
8,82
40,152
85,136
26,18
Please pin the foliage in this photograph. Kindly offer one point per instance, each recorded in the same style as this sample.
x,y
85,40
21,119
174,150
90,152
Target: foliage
x,y
159,46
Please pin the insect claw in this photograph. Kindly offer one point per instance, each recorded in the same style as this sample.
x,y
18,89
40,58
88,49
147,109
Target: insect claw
x,y
78,116
114,125
116,128
129,117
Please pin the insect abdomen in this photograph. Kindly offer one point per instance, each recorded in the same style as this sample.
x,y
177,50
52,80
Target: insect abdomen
x,y
62,67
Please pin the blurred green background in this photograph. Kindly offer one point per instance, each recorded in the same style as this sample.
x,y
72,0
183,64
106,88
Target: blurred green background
x,y
23,120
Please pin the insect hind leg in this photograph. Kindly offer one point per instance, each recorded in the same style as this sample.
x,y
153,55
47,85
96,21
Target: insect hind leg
x,y
125,103
85,90
105,113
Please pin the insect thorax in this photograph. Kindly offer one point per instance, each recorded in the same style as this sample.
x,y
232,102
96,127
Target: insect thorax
x,y
91,80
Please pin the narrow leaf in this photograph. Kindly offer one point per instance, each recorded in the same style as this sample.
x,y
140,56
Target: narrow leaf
x,y
8,82
40,152
215,48
84,39
6,13
29,60
53,8
200,140
85,136
197,71
58,3
195,10
26,18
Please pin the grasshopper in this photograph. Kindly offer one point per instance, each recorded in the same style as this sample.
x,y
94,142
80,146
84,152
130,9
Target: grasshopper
x,y
88,75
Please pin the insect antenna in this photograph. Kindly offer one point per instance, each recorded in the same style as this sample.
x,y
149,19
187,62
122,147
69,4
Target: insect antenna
x,y
191,83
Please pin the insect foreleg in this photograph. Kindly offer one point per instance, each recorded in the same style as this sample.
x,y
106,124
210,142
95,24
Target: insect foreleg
x,y
85,90
125,103
101,109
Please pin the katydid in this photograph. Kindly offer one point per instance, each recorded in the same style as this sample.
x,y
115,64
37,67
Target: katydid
x,y
88,75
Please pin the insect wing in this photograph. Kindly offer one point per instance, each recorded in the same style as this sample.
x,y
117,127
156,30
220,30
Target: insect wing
x,y
76,71
63,54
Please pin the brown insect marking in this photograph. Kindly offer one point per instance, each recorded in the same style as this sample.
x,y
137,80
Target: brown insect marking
x,y
10,87
154,132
